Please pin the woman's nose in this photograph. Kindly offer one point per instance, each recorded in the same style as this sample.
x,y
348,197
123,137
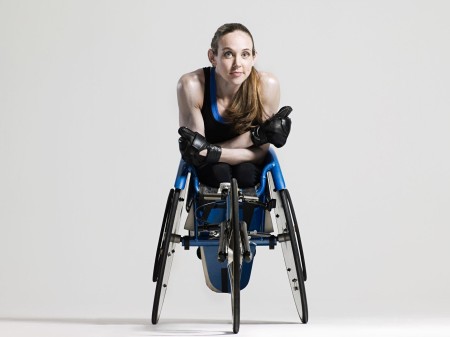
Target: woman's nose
x,y
237,62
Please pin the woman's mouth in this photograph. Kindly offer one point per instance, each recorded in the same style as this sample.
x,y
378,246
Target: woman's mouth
x,y
236,74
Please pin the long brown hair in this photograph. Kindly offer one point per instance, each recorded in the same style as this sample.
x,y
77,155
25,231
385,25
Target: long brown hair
x,y
246,106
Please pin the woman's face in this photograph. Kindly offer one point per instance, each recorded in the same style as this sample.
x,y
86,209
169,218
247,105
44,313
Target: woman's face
x,y
234,59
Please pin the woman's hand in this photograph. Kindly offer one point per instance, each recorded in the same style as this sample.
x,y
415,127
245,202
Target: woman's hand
x,y
192,143
275,130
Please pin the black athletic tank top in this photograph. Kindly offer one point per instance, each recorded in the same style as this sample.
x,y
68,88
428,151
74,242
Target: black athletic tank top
x,y
216,127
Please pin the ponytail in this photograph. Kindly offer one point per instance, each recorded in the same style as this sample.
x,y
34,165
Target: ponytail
x,y
247,109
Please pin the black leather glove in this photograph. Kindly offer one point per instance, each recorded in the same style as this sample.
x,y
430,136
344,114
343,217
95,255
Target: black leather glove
x,y
192,143
275,130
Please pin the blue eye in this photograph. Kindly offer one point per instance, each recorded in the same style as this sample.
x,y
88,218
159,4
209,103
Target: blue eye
x,y
228,54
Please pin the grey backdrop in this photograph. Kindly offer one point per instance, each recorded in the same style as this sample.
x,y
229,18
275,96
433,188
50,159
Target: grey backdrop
x,y
88,151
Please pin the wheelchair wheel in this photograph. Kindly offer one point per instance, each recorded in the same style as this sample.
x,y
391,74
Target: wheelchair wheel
x,y
234,267
159,248
166,250
297,232
293,256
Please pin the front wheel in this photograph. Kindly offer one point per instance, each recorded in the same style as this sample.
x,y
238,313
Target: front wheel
x,y
234,266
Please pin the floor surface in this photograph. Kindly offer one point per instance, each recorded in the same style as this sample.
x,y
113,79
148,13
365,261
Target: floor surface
x,y
370,327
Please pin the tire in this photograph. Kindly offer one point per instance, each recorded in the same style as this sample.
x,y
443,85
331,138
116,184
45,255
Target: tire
x,y
159,248
163,261
293,256
235,267
297,232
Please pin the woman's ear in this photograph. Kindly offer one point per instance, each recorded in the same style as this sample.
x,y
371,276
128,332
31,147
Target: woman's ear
x,y
255,56
212,57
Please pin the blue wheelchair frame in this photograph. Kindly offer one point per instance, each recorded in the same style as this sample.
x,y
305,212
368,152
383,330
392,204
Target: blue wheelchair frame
x,y
257,223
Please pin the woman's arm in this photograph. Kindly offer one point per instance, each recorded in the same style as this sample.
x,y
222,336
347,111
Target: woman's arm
x,y
270,93
236,156
190,100
243,141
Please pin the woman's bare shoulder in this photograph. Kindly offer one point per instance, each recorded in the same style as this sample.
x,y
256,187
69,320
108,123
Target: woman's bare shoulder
x,y
190,91
270,92
194,80
268,80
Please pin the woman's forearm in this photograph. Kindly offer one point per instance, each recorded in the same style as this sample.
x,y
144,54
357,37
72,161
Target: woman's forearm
x,y
236,156
243,141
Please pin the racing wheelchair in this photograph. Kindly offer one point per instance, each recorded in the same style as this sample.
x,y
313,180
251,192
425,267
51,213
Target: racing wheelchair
x,y
226,224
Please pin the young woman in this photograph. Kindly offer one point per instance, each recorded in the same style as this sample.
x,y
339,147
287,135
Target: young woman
x,y
227,112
